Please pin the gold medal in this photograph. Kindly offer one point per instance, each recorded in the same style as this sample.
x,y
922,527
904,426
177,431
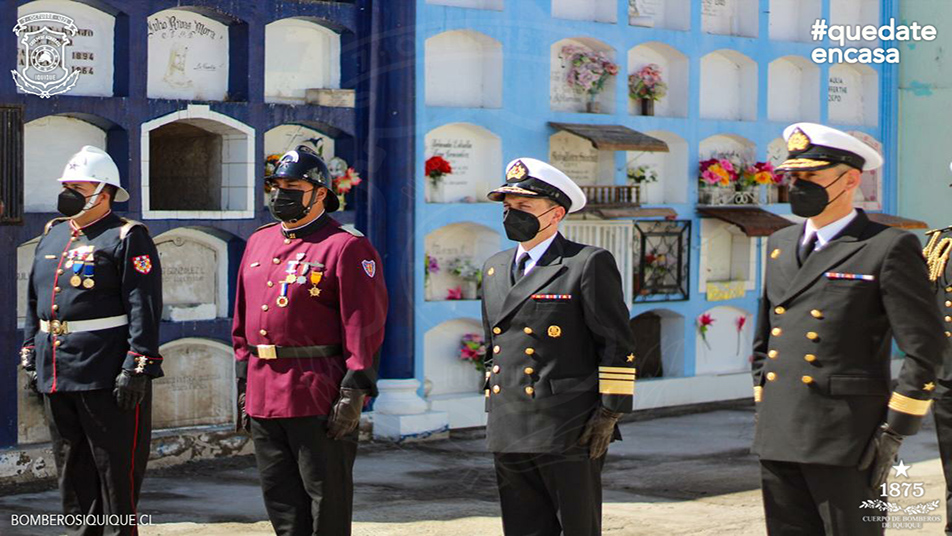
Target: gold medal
x,y
315,292
282,301
75,281
89,283
291,278
316,277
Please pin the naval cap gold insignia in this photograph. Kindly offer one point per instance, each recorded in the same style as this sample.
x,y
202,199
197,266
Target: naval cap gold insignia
x,y
517,172
798,141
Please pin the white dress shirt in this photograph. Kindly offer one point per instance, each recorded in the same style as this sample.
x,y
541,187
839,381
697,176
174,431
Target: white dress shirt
x,y
827,232
535,253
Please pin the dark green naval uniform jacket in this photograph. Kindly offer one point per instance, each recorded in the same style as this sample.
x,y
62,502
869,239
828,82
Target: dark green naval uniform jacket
x,y
823,342
559,345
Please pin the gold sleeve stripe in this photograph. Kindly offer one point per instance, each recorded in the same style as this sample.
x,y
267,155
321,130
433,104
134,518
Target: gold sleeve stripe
x,y
615,387
619,370
623,377
909,406
758,393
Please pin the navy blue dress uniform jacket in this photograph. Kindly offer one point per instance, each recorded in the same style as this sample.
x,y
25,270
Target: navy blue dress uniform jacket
x,y
558,346
822,347
127,280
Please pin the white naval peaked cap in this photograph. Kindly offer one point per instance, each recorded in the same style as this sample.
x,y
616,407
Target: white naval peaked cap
x,y
534,178
92,164
813,147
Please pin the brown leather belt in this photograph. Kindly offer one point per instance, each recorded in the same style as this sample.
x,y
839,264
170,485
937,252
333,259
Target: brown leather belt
x,y
270,351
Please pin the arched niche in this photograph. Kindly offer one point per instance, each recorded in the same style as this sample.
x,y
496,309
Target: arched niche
x,y
674,71
283,138
188,56
869,195
25,254
853,95
196,263
790,20
728,261
666,14
48,144
91,49
495,5
776,155
466,242
591,10
855,12
579,159
793,90
299,55
474,153
563,97
725,348
197,164
442,366
730,17
198,387
671,167
727,143
728,86
659,344
463,68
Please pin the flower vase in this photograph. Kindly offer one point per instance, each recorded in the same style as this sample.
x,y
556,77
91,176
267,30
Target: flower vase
x,y
469,290
746,195
343,201
593,106
636,193
437,195
647,107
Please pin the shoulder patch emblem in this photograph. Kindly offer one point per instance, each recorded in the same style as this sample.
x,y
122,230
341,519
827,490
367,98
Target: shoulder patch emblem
x,y
370,267
142,264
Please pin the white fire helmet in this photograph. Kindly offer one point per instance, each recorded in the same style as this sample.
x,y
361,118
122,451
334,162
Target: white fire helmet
x,y
92,164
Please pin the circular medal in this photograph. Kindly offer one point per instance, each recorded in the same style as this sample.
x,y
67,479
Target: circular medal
x,y
89,283
75,281
301,280
290,278
282,301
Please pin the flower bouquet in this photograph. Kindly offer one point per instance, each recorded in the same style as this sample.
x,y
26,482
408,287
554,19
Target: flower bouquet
x,y
589,70
473,349
436,168
639,175
469,273
647,86
344,183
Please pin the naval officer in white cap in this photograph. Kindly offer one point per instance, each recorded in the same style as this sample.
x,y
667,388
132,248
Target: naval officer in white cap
x,y
838,289
560,359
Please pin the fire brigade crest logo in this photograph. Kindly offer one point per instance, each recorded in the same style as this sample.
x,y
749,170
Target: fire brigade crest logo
x,y
370,267
42,68
143,264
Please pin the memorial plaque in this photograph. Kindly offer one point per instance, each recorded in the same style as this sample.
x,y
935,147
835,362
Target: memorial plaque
x,y
717,16
198,386
576,157
194,270
475,158
188,56
846,96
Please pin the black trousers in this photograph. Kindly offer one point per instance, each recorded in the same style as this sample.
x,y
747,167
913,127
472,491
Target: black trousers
x,y
100,453
550,494
306,478
942,411
812,499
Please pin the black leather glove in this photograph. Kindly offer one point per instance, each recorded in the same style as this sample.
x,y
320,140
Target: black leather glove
x,y
345,415
130,389
599,431
242,421
880,454
31,386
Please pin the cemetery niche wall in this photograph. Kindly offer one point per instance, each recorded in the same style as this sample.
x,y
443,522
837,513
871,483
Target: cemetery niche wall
x,y
661,177
659,344
463,68
728,86
793,90
853,95
475,156
299,55
662,14
446,372
188,56
49,142
674,68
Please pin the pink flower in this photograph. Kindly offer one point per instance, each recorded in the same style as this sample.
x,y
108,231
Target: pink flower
x,y
455,293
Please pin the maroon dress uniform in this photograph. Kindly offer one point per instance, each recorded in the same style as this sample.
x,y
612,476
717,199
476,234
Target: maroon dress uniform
x,y
309,319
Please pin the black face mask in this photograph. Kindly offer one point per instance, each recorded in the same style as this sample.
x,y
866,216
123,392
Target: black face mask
x,y
288,205
70,203
522,226
809,199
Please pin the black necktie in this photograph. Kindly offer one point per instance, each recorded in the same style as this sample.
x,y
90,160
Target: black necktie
x,y
520,269
806,249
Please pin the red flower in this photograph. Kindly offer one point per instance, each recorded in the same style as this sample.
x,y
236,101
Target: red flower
x,y
437,166
706,320
454,293
741,320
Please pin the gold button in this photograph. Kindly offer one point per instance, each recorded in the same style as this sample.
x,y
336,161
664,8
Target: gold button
x,y
773,354
60,271
264,307
807,379
270,284
496,388
276,260
496,369
771,376
776,332
528,330
55,307
287,240
529,351
780,310
948,303
948,319
496,349
263,333
810,358
948,289
529,390
812,335
948,334
529,370
57,343
57,289
497,331
817,313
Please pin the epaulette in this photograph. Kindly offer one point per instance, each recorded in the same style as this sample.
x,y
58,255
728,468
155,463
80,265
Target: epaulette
x,y
937,253
351,229
128,225
51,223
265,226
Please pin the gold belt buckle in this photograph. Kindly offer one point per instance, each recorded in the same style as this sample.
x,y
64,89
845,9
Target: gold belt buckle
x,y
58,327
267,351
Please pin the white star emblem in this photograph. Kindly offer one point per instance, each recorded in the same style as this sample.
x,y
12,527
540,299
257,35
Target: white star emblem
x,y
902,469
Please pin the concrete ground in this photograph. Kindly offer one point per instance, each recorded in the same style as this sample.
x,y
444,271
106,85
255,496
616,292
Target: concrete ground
x,y
676,472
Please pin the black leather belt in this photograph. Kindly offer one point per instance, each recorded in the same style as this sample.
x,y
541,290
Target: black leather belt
x,y
270,351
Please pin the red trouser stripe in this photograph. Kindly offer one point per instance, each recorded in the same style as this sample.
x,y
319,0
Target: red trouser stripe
x,y
132,474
